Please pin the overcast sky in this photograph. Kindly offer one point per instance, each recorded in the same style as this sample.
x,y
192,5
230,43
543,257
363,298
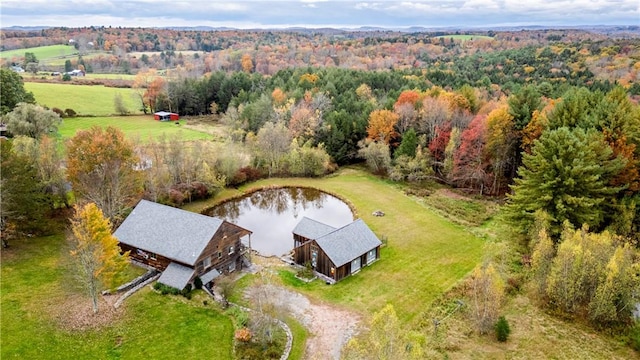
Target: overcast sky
x,y
317,13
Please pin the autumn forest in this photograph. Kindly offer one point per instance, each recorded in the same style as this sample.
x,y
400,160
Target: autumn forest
x,y
543,123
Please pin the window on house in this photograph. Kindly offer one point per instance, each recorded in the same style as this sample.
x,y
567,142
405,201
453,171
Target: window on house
x,y
355,265
206,262
230,250
219,254
153,256
232,266
371,255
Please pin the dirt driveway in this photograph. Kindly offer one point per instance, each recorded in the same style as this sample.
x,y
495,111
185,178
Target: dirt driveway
x,y
329,327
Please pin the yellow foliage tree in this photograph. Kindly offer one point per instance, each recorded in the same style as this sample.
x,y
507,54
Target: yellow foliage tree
x,y
382,126
386,340
487,292
96,251
247,63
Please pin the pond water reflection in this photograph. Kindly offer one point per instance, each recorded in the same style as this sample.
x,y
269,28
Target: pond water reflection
x,y
273,213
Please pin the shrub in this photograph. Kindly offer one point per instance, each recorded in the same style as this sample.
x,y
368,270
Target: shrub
x,y
502,329
58,111
306,272
66,77
70,112
197,283
165,290
243,335
634,337
186,292
176,197
241,317
245,174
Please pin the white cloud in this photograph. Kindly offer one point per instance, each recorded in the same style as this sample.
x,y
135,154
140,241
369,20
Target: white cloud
x,y
346,13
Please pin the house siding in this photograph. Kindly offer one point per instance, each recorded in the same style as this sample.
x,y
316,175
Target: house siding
x,y
159,263
302,255
227,235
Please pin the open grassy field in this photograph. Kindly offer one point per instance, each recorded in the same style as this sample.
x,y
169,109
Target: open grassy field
x,y
425,254
36,289
85,100
142,127
42,53
59,61
110,76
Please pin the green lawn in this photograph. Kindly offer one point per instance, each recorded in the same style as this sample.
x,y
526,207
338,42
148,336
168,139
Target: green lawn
x,y
35,281
95,100
426,254
141,127
41,52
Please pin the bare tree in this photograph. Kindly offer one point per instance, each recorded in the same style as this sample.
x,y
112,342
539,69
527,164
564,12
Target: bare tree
x,y
272,144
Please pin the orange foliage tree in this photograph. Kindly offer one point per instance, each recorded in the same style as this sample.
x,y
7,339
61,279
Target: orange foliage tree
x,y
382,126
408,97
247,63
278,96
155,92
101,167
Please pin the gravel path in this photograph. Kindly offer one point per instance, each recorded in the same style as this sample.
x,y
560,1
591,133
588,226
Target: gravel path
x,y
329,328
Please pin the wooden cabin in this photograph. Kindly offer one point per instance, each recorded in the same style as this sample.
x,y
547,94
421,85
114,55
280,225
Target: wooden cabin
x,y
180,243
335,252
166,116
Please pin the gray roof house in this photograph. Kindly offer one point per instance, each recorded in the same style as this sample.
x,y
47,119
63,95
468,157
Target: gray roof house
x,y
180,243
335,252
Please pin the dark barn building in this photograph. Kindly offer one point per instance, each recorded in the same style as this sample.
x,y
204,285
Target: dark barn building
x,y
180,243
335,253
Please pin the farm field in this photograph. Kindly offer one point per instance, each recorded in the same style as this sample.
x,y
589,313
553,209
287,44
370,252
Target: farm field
x,y
42,53
85,100
142,127
59,61
110,76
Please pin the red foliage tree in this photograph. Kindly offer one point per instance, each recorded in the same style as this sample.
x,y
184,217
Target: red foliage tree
x,y
471,168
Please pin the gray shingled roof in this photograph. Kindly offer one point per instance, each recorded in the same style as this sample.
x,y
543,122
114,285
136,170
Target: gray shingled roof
x,y
173,233
210,275
348,242
176,275
312,229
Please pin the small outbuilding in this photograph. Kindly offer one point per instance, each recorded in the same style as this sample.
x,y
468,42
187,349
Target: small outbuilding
x,y
181,244
335,252
166,116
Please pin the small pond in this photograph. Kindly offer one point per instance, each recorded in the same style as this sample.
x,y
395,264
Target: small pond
x,y
273,213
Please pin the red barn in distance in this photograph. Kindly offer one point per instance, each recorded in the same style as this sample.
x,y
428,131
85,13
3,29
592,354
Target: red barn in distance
x,y
166,116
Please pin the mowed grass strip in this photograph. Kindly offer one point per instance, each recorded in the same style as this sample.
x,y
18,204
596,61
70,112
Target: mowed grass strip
x,y
36,284
41,52
96,100
142,127
425,255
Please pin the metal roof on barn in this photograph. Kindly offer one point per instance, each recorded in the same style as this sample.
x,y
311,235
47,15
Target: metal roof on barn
x,y
312,229
173,233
